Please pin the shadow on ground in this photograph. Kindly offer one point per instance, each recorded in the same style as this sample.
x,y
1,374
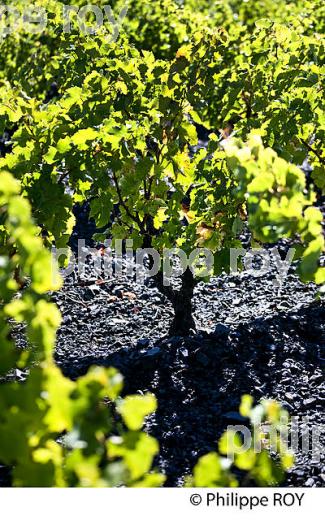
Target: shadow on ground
x,y
199,380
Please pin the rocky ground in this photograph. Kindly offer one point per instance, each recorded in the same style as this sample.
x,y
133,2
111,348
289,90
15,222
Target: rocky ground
x,y
253,337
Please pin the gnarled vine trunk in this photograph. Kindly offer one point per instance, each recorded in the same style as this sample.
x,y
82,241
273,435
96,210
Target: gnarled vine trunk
x,y
183,323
